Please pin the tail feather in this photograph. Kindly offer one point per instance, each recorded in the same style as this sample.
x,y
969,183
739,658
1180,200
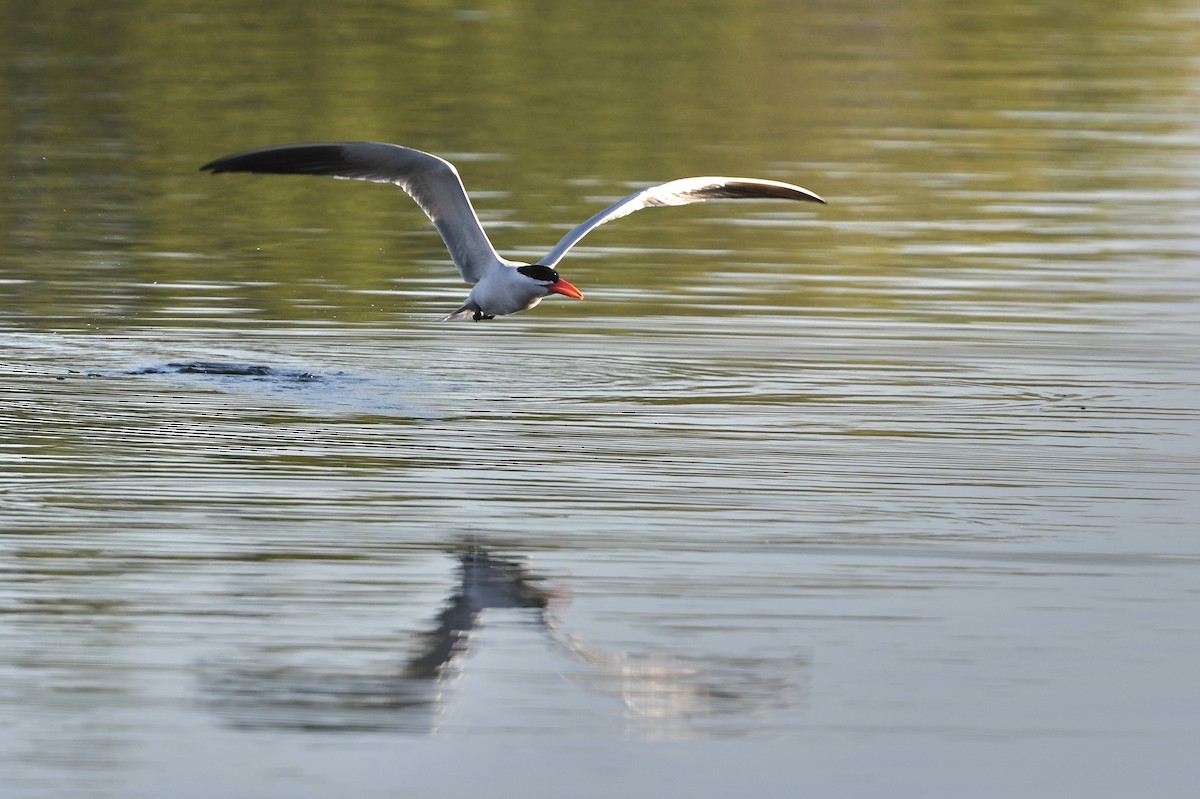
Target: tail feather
x,y
468,310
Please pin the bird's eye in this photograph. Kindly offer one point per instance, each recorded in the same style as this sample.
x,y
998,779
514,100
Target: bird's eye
x,y
538,272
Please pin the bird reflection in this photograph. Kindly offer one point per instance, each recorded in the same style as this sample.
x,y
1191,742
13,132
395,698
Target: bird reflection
x,y
663,695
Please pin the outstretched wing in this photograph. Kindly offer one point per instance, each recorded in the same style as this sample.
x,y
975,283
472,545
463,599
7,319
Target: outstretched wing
x,y
681,192
433,182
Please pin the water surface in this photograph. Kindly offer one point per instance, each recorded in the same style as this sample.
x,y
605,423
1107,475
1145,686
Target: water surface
x,y
894,496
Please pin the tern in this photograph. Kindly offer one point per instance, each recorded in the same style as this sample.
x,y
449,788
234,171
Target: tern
x,y
500,286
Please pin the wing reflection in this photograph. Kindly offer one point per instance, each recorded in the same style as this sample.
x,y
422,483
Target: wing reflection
x,y
672,697
663,695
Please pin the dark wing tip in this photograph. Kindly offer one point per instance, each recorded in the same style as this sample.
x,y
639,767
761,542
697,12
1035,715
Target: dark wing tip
x,y
781,191
290,159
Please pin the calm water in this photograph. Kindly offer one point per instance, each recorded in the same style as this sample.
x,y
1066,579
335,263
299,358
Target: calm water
x,y
893,497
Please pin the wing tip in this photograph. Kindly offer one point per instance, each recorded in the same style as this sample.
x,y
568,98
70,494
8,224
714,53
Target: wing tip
x,y
318,158
771,189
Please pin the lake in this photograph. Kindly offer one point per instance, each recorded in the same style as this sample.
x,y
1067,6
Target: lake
x,y
896,496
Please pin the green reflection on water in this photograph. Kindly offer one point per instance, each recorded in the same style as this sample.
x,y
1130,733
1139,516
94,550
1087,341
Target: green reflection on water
x,y
924,124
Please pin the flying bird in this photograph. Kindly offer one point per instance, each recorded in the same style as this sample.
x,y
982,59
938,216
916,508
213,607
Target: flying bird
x,y
500,286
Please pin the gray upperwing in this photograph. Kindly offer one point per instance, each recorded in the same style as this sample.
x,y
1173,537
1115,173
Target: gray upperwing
x,y
432,182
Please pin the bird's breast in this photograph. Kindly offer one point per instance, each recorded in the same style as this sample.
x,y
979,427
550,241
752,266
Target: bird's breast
x,y
506,292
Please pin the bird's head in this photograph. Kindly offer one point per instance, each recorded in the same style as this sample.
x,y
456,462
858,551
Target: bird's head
x,y
546,277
